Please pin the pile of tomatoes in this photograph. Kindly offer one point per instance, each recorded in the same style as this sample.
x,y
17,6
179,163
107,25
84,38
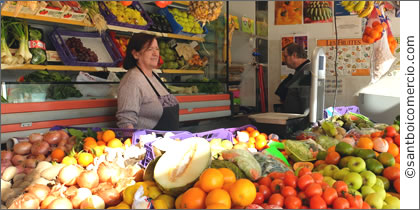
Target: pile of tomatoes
x,y
306,190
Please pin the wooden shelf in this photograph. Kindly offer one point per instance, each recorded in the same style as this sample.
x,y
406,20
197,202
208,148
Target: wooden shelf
x,y
50,67
46,19
181,71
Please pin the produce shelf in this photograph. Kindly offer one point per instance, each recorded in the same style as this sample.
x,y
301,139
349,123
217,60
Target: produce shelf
x,y
46,19
179,71
50,67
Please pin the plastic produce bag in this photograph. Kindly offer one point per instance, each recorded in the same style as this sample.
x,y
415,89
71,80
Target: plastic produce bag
x,y
96,90
140,200
37,47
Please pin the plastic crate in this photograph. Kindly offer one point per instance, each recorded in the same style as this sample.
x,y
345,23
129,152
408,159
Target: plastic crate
x,y
176,27
119,132
107,53
220,133
234,130
111,19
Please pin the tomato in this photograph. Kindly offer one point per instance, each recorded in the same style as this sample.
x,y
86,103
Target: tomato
x,y
365,205
324,185
290,180
287,191
313,190
389,140
276,175
305,181
341,203
397,139
259,198
376,134
276,186
292,202
355,201
256,184
126,3
276,199
341,187
390,131
332,158
304,171
265,191
163,4
318,178
317,202
329,195
265,181
396,185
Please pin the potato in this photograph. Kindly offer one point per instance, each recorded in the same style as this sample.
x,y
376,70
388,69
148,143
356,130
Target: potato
x,y
51,173
9,173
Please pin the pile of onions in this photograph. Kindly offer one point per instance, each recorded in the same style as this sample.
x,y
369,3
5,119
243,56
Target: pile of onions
x,y
108,172
25,201
39,190
93,202
60,203
110,196
18,160
80,195
35,137
88,179
40,148
52,137
68,174
6,155
22,148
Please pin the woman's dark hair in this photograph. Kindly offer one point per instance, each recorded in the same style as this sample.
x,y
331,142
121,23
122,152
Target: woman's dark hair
x,y
295,48
137,42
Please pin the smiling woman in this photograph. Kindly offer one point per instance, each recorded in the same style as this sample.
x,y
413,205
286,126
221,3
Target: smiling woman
x,y
144,101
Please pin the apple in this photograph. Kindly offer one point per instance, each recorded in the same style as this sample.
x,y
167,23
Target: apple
x,y
369,178
320,167
379,190
216,142
330,170
355,192
385,181
227,144
330,181
344,161
374,200
356,164
380,183
392,202
341,174
353,180
366,190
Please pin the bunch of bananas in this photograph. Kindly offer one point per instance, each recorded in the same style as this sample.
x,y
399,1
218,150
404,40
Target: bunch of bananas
x,y
319,10
362,8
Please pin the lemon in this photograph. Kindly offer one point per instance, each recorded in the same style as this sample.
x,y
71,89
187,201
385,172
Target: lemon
x,y
169,200
160,204
154,192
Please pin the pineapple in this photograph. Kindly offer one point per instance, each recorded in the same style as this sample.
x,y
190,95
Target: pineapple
x,y
205,11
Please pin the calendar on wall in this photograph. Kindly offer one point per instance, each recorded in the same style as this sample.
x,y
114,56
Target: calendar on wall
x,y
353,57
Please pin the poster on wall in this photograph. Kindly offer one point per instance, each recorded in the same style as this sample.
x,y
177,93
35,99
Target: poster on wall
x,y
353,58
247,25
288,13
340,11
318,11
299,39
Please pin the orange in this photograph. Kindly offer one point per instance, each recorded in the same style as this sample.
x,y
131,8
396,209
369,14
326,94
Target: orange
x,y
378,28
251,140
375,23
211,179
332,158
194,198
114,143
261,137
368,30
319,162
265,135
197,184
108,135
85,159
57,155
217,206
254,133
331,149
393,149
375,34
88,145
228,176
127,142
218,196
365,38
89,139
242,192
250,129
251,145
178,202
397,159
99,150
227,186
100,143
397,165
99,135
365,143
261,143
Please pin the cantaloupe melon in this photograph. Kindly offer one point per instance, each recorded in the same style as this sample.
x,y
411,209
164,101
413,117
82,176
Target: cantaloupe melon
x,y
178,168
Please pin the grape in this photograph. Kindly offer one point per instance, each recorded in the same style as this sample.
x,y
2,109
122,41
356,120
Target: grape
x,y
82,53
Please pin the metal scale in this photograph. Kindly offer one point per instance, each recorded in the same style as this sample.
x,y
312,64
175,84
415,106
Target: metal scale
x,y
282,123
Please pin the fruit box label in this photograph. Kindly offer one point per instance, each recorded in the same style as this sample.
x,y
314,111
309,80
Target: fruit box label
x,y
10,6
50,12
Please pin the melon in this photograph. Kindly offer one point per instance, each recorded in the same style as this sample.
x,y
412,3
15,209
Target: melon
x,y
178,168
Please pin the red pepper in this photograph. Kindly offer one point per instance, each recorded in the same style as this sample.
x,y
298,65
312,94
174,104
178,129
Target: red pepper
x,y
163,4
126,3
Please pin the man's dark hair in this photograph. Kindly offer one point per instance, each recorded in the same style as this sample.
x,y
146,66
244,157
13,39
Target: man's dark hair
x,y
295,48
137,42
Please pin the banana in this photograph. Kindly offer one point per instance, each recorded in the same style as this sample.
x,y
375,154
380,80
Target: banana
x,y
345,3
349,8
359,6
324,14
368,9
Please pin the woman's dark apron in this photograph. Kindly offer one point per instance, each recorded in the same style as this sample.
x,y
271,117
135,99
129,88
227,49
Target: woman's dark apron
x,y
169,121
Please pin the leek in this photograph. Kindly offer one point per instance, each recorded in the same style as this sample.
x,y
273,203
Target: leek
x,y
21,33
6,55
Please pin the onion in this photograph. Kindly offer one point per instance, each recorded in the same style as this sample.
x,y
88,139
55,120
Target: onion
x,y
22,148
28,170
40,148
71,191
48,159
30,163
68,174
25,201
107,170
35,137
39,190
88,179
52,137
47,201
18,160
20,169
81,195
5,164
110,196
63,135
63,142
40,157
60,203
6,155
72,140
93,202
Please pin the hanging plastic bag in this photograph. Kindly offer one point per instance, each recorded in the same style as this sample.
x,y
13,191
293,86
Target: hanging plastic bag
x,y
93,90
373,28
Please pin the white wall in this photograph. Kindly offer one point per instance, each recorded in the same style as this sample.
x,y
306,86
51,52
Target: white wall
x,y
352,84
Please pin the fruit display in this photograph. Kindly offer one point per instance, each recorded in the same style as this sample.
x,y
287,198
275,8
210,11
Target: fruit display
x,y
205,11
160,23
125,14
318,11
362,8
170,56
188,23
82,53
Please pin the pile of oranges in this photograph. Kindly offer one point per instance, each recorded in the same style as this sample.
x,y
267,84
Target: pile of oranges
x,y
256,139
374,33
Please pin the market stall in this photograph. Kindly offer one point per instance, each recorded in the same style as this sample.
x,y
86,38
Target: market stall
x,y
72,156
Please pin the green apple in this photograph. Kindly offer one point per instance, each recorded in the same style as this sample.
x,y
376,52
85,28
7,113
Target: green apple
x,y
375,201
341,174
353,180
356,164
366,190
369,178
385,181
216,142
374,165
320,167
379,190
392,202
344,149
355,192
344,161
227,144
330,170
330,181
380,183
